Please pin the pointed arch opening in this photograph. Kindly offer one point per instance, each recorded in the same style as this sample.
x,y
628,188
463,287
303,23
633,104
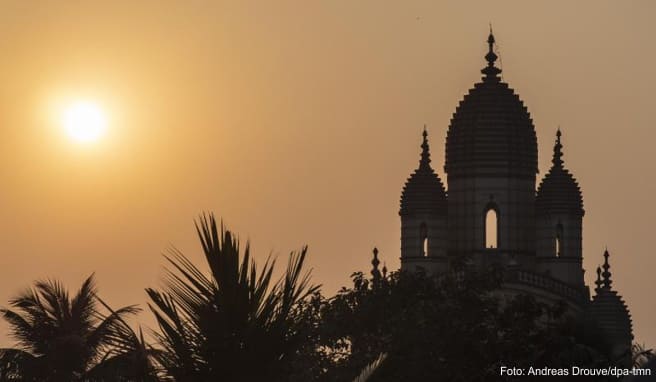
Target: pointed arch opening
x,y
491,228
559,240
423,236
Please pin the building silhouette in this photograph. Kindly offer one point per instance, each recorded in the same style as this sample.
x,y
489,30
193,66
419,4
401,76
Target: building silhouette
x,y
492,215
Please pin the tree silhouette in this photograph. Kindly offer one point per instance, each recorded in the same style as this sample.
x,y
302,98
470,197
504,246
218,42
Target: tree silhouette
x,y
232,323
455,327
61,338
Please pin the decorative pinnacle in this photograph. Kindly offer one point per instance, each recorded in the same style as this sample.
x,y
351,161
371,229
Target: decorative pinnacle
x,y
606,273
375,262
558,153
491,72
424,163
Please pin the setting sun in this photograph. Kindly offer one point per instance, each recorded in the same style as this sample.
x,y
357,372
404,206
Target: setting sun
x,y
84,121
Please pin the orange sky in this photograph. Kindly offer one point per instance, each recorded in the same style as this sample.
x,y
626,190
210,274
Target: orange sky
x,y
298,123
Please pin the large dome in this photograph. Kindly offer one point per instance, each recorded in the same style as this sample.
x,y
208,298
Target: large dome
x,y
559,191
423,191
491,131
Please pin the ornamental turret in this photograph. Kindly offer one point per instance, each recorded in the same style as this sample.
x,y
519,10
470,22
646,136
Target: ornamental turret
x,y
609,314
559,222
423,217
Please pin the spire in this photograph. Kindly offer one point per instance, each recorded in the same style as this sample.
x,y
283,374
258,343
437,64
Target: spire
x,y
424,163
606,273
491,72
423,191
375,273
558,154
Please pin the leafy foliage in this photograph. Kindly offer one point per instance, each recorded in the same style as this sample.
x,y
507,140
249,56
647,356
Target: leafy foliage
x,y
450,328
642,357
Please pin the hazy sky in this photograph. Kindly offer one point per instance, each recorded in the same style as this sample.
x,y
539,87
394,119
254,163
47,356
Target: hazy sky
x,y
298,123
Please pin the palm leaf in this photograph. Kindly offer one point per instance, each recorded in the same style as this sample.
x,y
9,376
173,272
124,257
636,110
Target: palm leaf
x,y
369,370
221,322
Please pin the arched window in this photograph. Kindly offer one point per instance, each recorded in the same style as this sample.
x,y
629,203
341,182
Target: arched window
x,y
423,235
559,240
491,225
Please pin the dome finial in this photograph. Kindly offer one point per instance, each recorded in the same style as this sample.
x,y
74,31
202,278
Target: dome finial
x,y
558,153
606,273
424,163
491,72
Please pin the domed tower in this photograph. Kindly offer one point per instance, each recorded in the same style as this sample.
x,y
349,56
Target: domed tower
x,y
609,314
491,162
423,217
559,221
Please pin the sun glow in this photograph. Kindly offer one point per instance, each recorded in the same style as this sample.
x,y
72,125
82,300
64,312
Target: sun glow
x,y
84,121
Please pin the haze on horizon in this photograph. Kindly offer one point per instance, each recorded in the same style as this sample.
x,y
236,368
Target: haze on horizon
x,y
298,123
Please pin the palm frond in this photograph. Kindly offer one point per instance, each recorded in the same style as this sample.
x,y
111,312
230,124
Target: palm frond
x,y
214,324
369,370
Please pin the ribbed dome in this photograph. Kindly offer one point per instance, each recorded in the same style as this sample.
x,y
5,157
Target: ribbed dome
x,y
611,315
423,191
491,131
559,191
609,310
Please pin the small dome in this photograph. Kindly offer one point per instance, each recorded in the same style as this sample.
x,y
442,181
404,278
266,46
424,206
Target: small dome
x,y
559,191
491,131
609,311
423,191
612,315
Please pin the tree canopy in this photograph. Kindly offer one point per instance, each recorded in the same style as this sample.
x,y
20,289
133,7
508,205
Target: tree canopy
x,y
456,327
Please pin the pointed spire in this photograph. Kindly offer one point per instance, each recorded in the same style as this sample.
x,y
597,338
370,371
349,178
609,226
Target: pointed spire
x,y
375,273
558,153
491,72
424,163
606,273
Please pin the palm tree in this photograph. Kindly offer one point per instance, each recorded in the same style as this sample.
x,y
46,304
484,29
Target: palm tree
x,y
231,323
59,338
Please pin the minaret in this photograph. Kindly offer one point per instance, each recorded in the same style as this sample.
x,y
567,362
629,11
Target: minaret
x,y
423,217
559,222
